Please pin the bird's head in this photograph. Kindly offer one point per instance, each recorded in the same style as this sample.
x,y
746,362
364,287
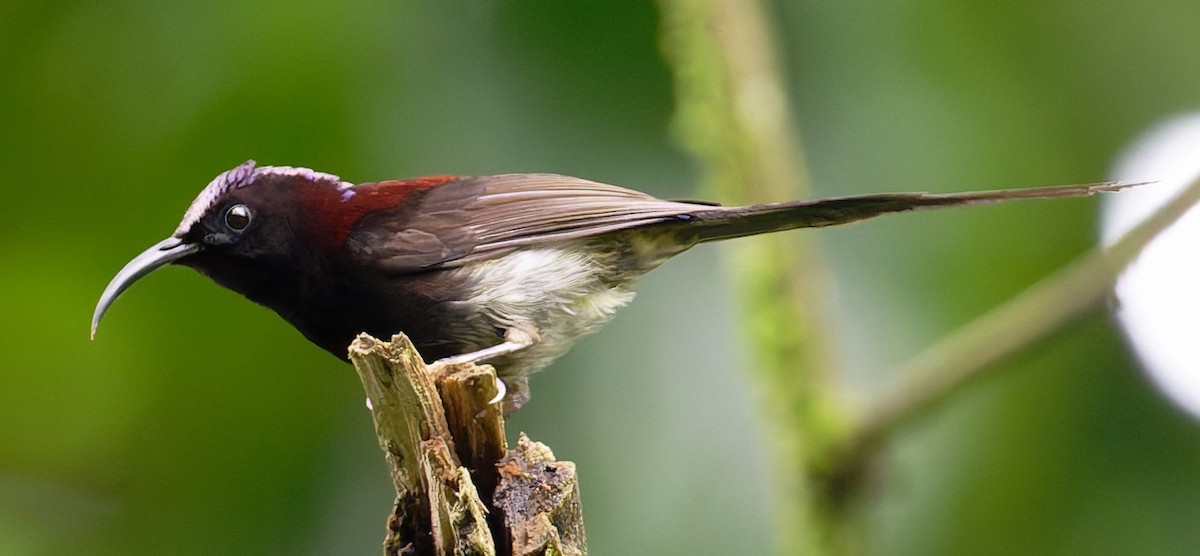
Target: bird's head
x,y
245,226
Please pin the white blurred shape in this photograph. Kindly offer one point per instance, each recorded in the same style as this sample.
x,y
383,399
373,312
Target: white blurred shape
x,y
1159,294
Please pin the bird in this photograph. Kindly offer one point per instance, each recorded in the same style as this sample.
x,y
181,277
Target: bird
x,y
509,269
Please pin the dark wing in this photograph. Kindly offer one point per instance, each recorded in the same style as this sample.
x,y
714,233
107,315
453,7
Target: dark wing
x,y
518,210
478,218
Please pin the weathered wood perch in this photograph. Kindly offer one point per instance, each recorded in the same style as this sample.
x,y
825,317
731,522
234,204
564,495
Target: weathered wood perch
x,y
459,489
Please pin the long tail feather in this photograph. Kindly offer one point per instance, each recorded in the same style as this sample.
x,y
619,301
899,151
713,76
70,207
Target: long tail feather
x,y
730,222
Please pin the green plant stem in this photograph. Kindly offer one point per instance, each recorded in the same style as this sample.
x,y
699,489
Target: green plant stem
x,y
935,375
732,113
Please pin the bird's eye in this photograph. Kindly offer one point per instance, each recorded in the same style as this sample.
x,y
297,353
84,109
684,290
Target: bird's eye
x,y
238,217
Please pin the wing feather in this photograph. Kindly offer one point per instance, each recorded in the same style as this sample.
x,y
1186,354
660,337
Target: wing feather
x,y
517,210
479,218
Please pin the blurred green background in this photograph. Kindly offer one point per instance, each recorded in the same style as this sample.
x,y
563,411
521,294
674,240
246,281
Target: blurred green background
x,y
198,423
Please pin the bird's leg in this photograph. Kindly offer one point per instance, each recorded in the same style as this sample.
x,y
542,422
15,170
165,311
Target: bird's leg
x,y
516,338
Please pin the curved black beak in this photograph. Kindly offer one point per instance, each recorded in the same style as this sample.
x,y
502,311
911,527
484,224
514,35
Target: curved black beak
x,y
163,252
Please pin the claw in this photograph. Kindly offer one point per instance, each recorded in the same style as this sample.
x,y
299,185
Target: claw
x,y
501,391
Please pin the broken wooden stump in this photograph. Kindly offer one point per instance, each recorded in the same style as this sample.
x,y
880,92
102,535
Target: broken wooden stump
x,y
459,489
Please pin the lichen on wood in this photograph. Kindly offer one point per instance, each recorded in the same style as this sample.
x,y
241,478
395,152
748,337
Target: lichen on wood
x,y
540,500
